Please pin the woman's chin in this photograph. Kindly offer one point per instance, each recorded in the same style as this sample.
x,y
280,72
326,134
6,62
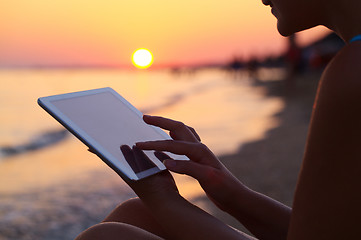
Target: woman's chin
x,y
287,30
284,30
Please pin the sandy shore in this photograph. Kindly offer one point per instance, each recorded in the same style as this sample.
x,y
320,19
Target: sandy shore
x,y
269,166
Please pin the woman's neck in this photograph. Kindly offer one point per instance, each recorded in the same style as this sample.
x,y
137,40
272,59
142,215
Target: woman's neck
x,y
345,18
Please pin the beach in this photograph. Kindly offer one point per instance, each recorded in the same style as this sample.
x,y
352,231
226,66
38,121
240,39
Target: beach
x,y
58,199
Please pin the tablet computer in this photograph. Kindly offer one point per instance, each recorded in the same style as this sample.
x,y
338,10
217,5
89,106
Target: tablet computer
x,y
103,120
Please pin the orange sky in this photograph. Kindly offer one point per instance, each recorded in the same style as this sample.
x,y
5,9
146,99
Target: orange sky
x,y
78,32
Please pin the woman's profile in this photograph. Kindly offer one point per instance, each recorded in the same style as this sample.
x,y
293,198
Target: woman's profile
x,y
327,202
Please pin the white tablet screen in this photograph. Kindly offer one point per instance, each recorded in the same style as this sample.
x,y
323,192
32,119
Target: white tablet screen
x,y
111,123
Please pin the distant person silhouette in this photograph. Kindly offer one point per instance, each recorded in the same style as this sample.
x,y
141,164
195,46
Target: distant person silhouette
x,y
236,66
252,67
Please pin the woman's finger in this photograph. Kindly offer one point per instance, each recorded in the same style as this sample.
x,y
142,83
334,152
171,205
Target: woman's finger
x,y
178,130
91,150
194,133
127,152
161,155
142,160
195,151
191,150
130,157
193,169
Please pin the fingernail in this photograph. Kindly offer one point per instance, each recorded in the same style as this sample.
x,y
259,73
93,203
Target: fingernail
x,y
169,163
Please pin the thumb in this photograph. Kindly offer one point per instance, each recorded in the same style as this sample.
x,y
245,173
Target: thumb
x,y
190,168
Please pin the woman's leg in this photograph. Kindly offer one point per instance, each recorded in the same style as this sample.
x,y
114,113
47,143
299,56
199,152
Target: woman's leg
x,y
115,231
129,220
133,212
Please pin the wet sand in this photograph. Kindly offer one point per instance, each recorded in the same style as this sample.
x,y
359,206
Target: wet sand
x,y
269,165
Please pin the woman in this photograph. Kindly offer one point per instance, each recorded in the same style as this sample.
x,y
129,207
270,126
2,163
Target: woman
x,y
327,202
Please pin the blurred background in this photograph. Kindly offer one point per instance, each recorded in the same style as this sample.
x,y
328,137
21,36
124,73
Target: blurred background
x,y
220,67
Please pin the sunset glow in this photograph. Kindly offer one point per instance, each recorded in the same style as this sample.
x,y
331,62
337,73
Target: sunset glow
x,y
105,33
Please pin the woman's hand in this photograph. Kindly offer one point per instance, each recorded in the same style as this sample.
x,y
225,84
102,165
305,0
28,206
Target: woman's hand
x,y
218,183
159,193
154,188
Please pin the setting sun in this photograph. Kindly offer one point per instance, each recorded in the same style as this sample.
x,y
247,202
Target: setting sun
x,y
142,58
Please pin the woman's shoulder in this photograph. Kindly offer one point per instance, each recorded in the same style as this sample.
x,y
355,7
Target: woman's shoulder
x,y
342,77
345,67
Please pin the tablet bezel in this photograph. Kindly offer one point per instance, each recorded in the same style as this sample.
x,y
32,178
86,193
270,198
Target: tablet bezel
x,y
107,157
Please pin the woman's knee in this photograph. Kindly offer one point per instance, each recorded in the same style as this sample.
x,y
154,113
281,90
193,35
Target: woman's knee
x,y
102,231
132,204
126,210
134,212
110,231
